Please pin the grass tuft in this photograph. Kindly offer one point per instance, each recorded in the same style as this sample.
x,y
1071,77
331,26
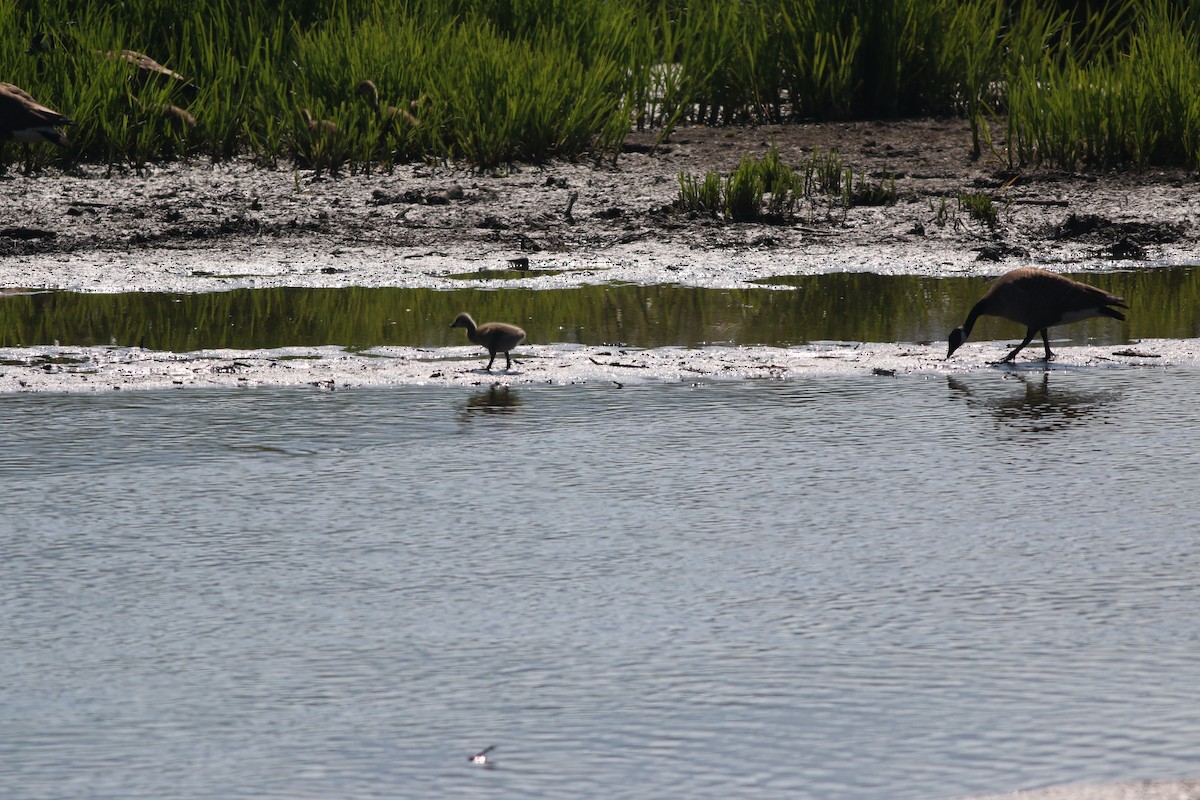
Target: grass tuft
x,y
767,189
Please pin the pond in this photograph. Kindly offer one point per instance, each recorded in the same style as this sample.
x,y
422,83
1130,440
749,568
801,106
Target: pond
x,y
921,587
849,307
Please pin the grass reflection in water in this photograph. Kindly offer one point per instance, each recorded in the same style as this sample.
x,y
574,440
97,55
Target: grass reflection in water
x,y
838,307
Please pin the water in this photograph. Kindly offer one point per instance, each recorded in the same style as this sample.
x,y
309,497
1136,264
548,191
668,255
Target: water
x,y
854,307
850,587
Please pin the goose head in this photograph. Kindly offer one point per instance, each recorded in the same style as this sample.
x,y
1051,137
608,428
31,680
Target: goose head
x,y
957,337
367,89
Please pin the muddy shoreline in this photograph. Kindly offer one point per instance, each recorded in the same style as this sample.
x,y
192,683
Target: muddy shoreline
x,y
196,227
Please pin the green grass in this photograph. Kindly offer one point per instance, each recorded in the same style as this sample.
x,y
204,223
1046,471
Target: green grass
x,y
979,207
767,189
497,81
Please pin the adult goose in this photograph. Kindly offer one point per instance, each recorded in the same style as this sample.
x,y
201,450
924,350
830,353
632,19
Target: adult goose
x,y
497,337
144,68
150,71
23,119
1038,299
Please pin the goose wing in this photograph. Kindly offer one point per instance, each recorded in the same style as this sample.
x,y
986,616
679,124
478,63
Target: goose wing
x,y
18,110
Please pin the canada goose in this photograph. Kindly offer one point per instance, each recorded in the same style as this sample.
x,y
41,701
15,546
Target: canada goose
x,y
481,756
148,70
369,92
1038,299
497,337
178,118
145,68
23,119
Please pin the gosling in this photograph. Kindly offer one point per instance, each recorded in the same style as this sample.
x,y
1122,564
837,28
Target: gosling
x,y
497,337
1038,299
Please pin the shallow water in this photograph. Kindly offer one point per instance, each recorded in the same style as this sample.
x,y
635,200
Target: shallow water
x,y
855,307
847,587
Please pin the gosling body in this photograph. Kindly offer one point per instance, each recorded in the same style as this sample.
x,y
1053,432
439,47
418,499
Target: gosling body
x,y
1038,299
317,127
497,337
369,92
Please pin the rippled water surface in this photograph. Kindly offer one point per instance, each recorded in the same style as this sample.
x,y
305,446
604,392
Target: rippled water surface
x,y
857,587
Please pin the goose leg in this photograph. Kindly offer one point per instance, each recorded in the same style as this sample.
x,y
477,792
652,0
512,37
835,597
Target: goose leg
x,y
490,360
507,361
1046,342
1028,338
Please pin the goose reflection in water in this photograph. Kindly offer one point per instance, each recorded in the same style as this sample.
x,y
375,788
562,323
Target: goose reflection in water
x,y
495,399
1028,400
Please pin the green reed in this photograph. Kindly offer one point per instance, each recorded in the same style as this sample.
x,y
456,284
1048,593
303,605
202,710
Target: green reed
x,y
980,207
1123,94
768,189
488,82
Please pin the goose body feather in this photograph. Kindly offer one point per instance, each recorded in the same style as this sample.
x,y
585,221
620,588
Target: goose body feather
x,y
23,119
1038,299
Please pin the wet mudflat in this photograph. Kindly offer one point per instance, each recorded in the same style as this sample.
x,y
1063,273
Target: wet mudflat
x,y
812,588
355,336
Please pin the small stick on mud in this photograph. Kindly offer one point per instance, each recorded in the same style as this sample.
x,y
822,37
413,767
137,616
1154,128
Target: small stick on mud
x,y
617,364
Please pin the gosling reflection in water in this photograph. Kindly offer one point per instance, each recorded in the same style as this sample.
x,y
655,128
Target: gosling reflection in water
x,y
1033,404
494,400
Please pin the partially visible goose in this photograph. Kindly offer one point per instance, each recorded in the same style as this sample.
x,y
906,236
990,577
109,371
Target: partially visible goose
x,y
178,118
150,71
321,127
23,119
1038,299
145,68
367,89
497,337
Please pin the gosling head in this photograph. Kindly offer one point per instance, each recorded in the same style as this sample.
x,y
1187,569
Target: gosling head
x,y
957,337
463,320
368,91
